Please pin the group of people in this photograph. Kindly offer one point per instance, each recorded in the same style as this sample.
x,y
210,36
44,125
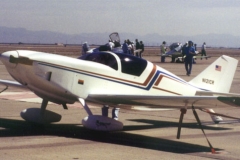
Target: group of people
x,y
128,47
188,52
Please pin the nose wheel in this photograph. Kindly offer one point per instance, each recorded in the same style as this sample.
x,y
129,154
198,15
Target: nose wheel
x,y
40,115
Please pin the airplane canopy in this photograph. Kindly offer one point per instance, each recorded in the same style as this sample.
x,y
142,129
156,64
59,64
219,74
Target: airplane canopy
x,y
129,64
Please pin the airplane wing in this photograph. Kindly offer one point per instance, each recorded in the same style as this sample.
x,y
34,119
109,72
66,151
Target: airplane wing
x,y
195,57
12,83
202,57
170,53
138,50
199,101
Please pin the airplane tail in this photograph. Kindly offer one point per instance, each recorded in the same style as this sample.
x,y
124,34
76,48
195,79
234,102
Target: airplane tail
x,y
218,76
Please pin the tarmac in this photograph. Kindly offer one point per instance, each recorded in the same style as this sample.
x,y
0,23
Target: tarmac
x,y
146,135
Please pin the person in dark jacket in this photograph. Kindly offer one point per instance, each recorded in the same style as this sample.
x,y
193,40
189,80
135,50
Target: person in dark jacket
x,y
125,47
142,49
163,50
189,58
137,47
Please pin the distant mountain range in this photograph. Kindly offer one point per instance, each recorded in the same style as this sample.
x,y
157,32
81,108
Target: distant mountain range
x,y
21,35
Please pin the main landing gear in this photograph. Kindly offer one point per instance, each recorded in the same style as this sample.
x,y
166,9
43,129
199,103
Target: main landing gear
x,y
95,122
183,111
101,122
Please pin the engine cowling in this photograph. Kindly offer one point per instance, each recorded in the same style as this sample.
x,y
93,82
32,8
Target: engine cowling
x,y
102,123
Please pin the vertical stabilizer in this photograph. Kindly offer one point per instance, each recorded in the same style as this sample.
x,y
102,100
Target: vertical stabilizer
x,y
218,76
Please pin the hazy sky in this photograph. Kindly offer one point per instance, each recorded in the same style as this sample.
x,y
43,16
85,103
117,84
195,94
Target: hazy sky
x,y
165,17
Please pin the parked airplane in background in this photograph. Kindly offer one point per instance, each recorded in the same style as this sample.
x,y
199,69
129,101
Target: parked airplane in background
x,y
175,49
175,52
117,80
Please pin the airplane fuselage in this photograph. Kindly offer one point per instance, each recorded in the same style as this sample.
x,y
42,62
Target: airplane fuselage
x,y
63,79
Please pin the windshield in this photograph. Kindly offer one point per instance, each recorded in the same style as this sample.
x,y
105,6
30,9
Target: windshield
x,y
101,57
131,64
114,37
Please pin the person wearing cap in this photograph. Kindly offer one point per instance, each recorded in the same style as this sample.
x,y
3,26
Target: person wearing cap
x,y
189,58
163,50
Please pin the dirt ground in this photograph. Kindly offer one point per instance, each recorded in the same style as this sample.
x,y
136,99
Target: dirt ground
x,y
76,50
146,135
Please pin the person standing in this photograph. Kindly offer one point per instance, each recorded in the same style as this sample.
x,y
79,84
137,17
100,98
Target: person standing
x,y
189,58
125,47
130,47
137,47
204,50
184,51
110,44
141,46
195,47
85,48
163,50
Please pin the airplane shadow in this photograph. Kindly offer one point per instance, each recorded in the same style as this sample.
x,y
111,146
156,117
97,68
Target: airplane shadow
x,y
163,124
18,128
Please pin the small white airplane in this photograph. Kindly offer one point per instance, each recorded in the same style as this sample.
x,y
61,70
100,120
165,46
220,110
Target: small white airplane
x,y
117,80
